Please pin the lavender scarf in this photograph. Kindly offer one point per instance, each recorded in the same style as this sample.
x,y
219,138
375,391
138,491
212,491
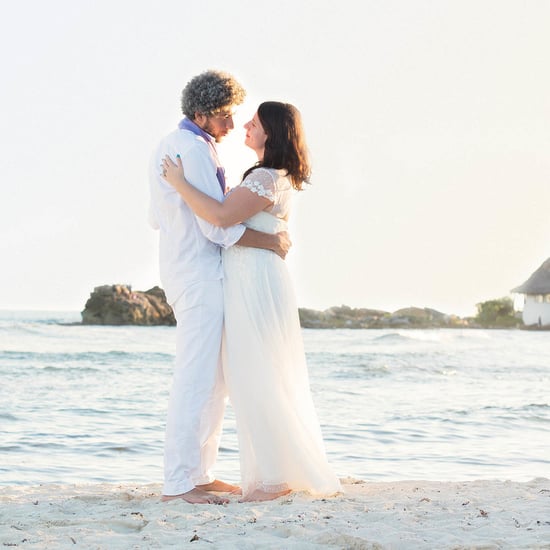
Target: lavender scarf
x,y
186,124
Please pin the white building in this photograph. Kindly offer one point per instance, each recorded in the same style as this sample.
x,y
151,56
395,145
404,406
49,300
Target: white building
x,y
536,291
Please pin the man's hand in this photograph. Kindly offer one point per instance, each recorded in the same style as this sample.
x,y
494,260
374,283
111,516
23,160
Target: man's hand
x,y
282,244
276,242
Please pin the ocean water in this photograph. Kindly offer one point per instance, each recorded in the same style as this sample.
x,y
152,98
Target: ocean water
x,y
83,404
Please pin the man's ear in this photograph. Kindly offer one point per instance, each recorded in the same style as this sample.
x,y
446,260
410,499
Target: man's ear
x,y
200,119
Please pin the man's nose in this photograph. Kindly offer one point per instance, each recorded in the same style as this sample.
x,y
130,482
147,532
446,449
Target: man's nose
x,y
229,123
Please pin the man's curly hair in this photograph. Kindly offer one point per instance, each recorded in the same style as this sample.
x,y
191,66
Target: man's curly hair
x,y
210,92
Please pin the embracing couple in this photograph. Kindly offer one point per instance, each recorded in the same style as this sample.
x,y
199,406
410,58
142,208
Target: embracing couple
x,y
238,331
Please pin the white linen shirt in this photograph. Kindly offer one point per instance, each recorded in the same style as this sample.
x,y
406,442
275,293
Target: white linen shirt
x,y
189,247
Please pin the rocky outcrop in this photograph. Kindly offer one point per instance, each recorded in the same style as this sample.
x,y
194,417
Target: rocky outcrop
x,y
411,317
341,317
120,305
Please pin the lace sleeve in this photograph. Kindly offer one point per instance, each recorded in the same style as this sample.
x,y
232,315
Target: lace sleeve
x,y
261,182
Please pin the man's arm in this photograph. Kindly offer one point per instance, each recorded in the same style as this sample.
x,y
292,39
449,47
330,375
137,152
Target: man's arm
x,y
279,242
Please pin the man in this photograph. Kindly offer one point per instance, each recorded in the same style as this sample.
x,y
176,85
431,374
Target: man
x,y
191,274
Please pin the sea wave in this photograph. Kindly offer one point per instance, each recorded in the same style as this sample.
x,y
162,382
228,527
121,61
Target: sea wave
x,y
44,359
392,337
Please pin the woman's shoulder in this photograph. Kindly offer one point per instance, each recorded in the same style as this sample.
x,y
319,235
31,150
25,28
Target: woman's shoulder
x,y
268,182
263,171
274,176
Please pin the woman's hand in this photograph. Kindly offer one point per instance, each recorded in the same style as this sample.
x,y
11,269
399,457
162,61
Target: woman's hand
x,y
173,172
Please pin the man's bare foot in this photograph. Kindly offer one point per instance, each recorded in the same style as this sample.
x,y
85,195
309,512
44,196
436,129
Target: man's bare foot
x,y
218,486
259,496
197,496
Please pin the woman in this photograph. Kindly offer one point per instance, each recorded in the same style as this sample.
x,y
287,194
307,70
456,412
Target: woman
x,y
281,447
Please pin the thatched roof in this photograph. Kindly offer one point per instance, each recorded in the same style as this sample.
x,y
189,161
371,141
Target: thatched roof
x,y
538,283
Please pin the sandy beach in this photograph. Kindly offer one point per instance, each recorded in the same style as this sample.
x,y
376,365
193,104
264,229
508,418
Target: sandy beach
x,y
393,515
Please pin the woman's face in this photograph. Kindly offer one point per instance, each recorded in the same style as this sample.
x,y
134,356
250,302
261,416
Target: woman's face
x,y
255,136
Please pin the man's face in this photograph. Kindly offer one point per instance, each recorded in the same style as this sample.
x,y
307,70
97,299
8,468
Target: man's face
x,y
217,125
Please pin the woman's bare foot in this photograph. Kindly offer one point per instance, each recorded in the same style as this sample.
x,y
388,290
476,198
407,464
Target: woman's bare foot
x,y
197,496
218,486
259,496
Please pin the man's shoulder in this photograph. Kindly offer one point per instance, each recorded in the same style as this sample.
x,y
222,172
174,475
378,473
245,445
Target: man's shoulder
x,y
182,138
190,147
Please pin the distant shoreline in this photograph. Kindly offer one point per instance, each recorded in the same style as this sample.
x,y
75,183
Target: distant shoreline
x,y
336,317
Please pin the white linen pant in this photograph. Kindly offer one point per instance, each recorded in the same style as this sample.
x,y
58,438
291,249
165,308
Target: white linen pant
x,y
198,395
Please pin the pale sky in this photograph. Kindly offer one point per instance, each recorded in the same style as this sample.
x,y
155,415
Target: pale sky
x,y
428,124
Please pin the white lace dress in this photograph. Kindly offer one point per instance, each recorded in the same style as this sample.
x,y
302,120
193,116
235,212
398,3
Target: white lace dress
x,y
280,440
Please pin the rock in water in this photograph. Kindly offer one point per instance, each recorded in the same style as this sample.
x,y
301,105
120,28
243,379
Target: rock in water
x,y
120,305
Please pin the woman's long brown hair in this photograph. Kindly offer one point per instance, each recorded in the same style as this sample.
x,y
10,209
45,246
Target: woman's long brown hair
x,y
285,146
